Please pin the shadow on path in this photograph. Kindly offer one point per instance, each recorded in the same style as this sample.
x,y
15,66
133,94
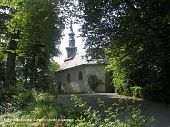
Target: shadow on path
x,y
160,112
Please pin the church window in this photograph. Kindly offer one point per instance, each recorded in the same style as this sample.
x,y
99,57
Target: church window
x,y
68,77
80,76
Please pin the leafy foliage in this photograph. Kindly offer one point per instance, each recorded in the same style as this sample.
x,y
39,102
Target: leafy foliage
x,y
86,116
93,81
135,35
14,98
43,107
34,29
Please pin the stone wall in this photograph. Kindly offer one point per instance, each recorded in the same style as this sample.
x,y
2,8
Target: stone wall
x,y
79,86
99,71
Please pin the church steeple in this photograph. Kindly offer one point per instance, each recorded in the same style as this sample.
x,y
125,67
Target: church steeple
x,y
71,49
71,36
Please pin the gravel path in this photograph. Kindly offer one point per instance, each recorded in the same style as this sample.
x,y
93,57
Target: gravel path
x,y
161,112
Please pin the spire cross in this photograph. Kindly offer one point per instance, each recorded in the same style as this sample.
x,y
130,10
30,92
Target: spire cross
x,y
71,27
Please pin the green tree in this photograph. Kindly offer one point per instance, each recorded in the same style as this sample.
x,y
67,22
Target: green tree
x,y
35,29
3,41
46,77
136,36
40,46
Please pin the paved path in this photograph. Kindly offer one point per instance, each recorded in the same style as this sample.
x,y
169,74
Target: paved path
x,y
161,112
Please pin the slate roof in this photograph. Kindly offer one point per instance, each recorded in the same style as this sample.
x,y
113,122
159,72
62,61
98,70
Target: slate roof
x,y
78,60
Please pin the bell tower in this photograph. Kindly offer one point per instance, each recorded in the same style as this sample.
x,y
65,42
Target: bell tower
x,y
71,49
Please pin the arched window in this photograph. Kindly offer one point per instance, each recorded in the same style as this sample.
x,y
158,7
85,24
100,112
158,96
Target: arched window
x,y
68,77
80,76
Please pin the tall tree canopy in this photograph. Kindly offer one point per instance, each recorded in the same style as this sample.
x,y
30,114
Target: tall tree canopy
x,y
136,37
35,29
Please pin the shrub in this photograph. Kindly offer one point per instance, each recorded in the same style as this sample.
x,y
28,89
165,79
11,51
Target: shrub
x,y
136,91
42,106
84,116
14,98
93,81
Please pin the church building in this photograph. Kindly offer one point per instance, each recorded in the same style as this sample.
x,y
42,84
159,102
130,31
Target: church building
x,y
74,72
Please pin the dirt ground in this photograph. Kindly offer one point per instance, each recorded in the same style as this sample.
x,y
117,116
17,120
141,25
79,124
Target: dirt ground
x,y
160,112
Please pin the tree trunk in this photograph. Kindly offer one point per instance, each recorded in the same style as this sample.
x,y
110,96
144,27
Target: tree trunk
x,y
10,73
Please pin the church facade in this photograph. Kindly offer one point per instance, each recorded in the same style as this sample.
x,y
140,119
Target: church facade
x,y
74,72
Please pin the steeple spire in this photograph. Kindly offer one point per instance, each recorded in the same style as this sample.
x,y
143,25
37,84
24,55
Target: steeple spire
x,y
71,36
71,49
71,27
